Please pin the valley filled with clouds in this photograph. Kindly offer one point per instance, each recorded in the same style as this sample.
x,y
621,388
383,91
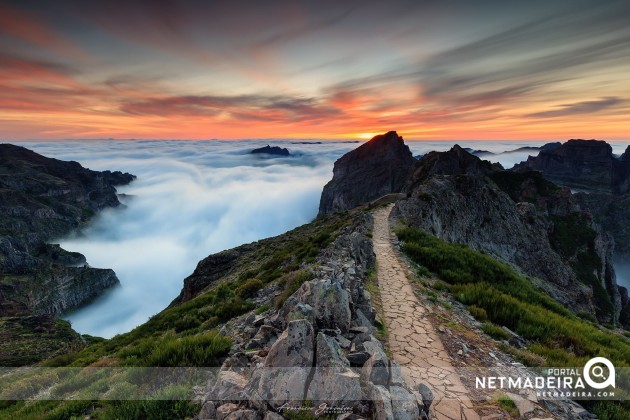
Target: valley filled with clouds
x,y
195,198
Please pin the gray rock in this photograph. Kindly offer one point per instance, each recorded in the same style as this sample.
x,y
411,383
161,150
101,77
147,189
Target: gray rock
x,y
427,396
524,406
382,403
292,357
224,410
259,320
385,161
208,411
243,415
229,386
273,416
376,369
344,343
333,382
298,310
358,358
329,353
360,330
404,404
395,375
266,336
330,303
373,346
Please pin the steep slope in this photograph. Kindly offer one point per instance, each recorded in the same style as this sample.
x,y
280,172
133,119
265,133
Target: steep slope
x,y
376,168
589,165
522,219
42,199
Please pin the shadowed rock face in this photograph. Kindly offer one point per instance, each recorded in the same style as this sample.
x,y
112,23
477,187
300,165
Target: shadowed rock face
x,y
378,167
42,199
583,164
456,161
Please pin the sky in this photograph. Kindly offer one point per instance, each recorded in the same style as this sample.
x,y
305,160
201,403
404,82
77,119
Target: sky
x,y
319,69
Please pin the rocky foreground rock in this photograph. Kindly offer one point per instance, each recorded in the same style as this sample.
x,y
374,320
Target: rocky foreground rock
x,y
319,346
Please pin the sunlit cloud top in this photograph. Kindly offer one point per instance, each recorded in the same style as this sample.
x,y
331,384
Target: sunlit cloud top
x,y
325,69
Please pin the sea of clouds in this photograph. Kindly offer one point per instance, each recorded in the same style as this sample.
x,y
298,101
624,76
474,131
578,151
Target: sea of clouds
x,y
195,198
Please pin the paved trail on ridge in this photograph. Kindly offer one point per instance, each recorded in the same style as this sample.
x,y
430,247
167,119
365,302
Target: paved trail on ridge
x,y
413,341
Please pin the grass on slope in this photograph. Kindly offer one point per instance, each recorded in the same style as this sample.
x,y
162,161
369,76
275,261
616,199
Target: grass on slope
x,y
510,300
495,292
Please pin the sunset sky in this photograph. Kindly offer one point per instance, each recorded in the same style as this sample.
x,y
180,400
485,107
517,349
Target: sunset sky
x,y
319,69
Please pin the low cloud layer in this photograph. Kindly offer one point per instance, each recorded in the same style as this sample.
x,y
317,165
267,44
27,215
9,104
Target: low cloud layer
x,y
195,198
191,199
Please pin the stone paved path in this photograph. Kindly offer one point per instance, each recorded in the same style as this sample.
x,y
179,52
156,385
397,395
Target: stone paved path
x,y
414,343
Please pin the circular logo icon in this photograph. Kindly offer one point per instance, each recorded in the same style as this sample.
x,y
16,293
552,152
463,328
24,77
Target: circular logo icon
x,y
596,376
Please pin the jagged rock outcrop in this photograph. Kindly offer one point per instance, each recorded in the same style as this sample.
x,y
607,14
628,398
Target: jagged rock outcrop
x,y
378,167
456,161
42,199
320,330
582,164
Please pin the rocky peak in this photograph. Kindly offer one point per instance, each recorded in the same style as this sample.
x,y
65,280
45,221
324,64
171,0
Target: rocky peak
x,y
376,168
588,150
583,164
456,161
626,155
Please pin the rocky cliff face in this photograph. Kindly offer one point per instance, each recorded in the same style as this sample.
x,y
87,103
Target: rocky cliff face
x,y
472,210
527,221
378,167
40,200
582,164
612,213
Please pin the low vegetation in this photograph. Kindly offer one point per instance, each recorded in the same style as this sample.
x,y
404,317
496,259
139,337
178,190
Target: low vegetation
x,y
506,403
498,296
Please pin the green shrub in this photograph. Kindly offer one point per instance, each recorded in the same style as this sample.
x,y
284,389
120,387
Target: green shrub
x,y
196,350
441,286
292,282
422,271
262,308
611,410
495,331
249,288
171,402
508,405
480,314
